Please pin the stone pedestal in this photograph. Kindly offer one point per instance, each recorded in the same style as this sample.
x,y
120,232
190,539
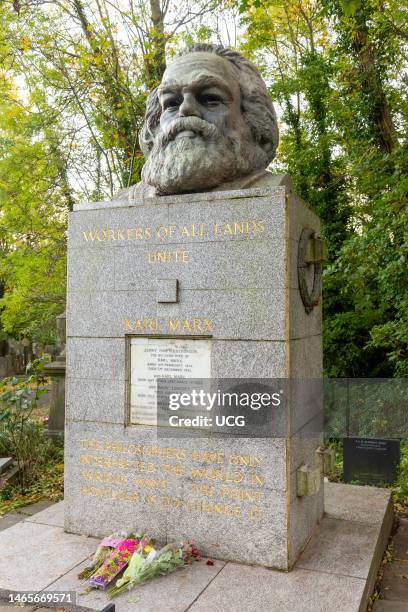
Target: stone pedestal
x,y
220,267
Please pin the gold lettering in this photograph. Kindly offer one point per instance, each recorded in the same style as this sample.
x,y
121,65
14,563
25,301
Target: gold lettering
x,y
203,489
196,325
208,325
174,325
186,326
161,257
212,508
128,325
246,460
217,474
241,494
215,457
175,470
257,480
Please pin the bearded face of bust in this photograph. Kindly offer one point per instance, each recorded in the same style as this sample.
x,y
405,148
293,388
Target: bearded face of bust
x,y
209,122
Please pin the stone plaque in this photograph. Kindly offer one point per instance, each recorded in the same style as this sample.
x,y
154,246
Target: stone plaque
x,y
153,358
371,460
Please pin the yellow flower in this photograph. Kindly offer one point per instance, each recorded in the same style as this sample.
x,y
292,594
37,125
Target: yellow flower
x,y
148,548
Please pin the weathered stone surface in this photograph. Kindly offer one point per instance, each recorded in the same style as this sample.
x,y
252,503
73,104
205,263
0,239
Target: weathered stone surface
x,y
303,325
33,509
236,288
52,515
91,269
96,358
38,541
240,359
357,503
394,586
260,590
278,183
306,357
305,515
97,400
400,543
175,592
383,605
223,587
268,547
330,548
8,520
236,314
215,265
179,504
167,290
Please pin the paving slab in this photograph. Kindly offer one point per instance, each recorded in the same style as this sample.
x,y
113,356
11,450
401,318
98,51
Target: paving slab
x,y
356,503
400,543
394,585
47,551
341,547
54,515
175,592
37,507
10,519
256,589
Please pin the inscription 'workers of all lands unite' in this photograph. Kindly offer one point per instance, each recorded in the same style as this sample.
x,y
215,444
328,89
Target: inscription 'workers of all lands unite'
x,y
223,483
245,229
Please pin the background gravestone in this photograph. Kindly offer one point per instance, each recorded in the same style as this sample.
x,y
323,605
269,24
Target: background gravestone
x,y
370,460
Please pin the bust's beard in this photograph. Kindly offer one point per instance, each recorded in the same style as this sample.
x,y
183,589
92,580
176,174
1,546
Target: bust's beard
x,y
201,163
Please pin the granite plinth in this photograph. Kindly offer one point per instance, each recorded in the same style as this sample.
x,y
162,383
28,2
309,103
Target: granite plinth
x,y
219,266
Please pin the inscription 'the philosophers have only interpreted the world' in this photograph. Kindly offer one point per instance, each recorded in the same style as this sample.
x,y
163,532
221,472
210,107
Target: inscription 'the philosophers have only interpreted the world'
x,y
218,483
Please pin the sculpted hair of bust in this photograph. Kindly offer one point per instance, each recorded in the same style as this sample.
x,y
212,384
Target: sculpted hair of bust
x,y
210,122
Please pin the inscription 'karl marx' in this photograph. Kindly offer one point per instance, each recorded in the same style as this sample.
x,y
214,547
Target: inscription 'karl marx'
x,y
155,325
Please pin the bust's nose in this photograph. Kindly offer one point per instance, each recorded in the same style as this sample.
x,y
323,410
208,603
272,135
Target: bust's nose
x,y
189,107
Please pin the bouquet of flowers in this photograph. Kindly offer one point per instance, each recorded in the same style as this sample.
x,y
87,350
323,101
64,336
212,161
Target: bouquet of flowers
x,y
143,567
103,551
112,556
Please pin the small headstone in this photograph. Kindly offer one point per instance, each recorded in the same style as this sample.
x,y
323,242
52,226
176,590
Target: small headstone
x,y
5,462
371,460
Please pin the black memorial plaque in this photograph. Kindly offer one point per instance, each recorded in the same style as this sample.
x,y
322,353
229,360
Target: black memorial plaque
x,y
370,460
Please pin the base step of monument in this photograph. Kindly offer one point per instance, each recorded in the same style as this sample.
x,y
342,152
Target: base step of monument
x,y
336,571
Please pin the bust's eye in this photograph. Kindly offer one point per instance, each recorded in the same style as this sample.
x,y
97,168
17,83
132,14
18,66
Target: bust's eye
x,y
210,100
171,102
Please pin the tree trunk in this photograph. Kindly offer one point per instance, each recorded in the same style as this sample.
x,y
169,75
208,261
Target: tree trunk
x,y
379,113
